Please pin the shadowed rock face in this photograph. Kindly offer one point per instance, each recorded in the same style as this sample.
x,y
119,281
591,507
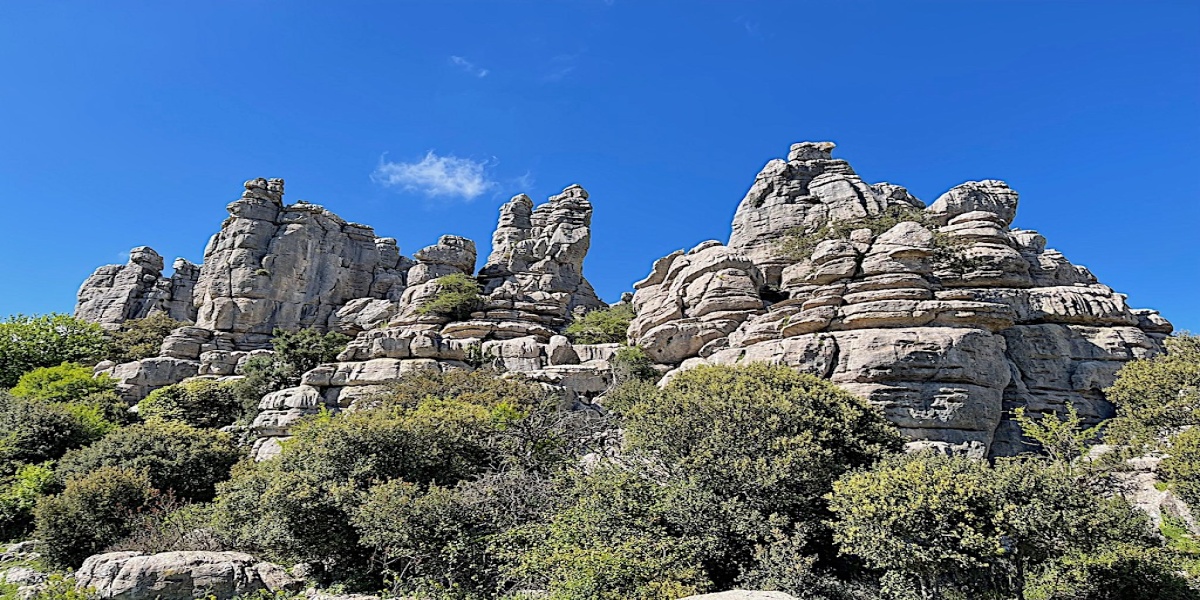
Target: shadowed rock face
x,y
948,325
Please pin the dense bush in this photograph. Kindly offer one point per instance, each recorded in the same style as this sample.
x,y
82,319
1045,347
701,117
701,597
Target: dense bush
x,y
93,511
141,338
432,430
62,383
1156,397
199,403
632,363
458,295
174,456
18,496
602,326
35,431
717,463
938,524
1182,466
295,353
1115,572
27,343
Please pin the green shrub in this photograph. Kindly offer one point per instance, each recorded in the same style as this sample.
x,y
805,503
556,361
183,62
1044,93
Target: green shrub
x,y
940,523
458,296
1157,397
432,429
1182,466
798,244
602,326
632,363
176,457
1114,572
714,466
63,383
18,496
141,338
27,343
295,353
93,511
34,431
199,403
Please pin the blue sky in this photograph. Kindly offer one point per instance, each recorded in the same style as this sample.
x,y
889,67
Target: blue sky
x,y
127,124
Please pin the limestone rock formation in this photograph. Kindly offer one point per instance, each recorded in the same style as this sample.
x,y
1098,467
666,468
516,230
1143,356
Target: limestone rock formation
x,y
948,324
117,293
291,267
181,575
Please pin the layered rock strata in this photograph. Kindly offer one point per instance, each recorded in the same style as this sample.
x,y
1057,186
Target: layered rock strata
x,y
948,324
532,285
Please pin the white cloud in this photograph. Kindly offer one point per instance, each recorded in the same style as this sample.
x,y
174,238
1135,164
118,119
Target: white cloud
x,y
437,176
469,66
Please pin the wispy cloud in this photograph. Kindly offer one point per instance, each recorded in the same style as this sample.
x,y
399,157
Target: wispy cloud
x,y
562,66
524,182
469,66
436,176
753,28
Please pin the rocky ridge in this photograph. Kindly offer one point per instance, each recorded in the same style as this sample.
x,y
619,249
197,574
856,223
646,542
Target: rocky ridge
x,y
948,318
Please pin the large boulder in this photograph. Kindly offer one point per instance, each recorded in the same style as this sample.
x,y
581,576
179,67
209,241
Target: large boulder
x,y
181,575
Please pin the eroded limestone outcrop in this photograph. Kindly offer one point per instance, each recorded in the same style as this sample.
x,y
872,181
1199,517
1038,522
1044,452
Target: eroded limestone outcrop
x,y
182,576
118,293
948,324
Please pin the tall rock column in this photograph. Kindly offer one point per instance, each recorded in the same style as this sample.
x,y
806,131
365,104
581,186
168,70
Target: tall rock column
x,y
117,293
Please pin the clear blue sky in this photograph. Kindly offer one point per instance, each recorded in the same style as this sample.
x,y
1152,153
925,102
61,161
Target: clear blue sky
x,y
123,123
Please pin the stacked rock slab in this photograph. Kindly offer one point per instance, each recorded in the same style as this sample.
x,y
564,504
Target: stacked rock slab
x,y
949,324
118,293
532,284
290,267
270,266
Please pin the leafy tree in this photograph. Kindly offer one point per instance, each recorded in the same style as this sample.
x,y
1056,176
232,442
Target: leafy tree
x,y
199,403
141,338
27,343
93,511
458,295
925,516
174,456
601,326
295,353
62,383
18,496
946,524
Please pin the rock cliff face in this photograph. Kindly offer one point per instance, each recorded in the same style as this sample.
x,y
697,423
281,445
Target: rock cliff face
x,y
117,293
289,266
944,316
949,321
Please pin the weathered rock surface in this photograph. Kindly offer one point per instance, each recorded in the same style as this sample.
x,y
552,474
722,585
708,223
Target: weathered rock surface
x,y
181,575
949,324
290,267
117,293
742,595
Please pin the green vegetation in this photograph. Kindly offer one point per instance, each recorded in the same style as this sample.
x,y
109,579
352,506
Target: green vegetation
x,y
27,343
174,457
457,297
93,511
798,244
141,338
35,431
601,326
199,403
1158,397
632,363
295,353
18,496
62,383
